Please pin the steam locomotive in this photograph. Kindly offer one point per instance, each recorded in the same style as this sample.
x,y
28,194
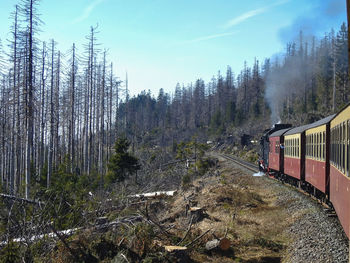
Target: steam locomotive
x,y
314,157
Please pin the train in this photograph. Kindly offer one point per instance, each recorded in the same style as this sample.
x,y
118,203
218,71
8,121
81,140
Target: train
x,y
314,157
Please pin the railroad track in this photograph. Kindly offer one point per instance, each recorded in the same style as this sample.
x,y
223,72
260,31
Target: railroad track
x,y
251,167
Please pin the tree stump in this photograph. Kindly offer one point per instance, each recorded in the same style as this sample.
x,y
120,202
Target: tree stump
x,y
221,244
197,213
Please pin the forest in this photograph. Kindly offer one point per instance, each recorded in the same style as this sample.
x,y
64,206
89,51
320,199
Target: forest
x,y
69,108
68,122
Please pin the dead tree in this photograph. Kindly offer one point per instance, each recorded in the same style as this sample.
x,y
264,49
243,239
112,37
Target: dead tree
x,y
71,150
52,118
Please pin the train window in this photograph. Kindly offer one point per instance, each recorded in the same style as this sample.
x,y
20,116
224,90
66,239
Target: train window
x,y
289,147
317,146
324,146
310,145
338,146
321,146
314,146
297,153
335,145
348,151
343,147
331,146
298,148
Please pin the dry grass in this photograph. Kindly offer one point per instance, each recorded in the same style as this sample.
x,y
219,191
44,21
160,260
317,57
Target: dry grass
x,y
243,207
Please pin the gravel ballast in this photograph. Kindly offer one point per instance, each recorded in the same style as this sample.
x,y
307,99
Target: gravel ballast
x,y
315,236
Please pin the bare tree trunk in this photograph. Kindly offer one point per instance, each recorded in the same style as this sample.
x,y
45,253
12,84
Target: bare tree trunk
x,y
102,120
13,138
56,111
116,110
109,127
18,136
29,147
72,120
52,120
42,145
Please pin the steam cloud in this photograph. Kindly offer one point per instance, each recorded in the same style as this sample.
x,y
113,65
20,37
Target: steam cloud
x,y
314,23
279,82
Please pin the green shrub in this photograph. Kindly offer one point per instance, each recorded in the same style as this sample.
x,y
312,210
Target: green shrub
x,y
10,253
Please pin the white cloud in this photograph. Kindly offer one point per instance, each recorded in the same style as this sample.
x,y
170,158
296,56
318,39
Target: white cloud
x,y
243,17
239,19
208,37
87,11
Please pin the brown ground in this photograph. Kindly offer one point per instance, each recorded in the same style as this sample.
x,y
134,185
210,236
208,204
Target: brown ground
x,y
238,205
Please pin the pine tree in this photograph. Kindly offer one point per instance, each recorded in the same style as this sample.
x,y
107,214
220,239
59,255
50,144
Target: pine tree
x,y
121,164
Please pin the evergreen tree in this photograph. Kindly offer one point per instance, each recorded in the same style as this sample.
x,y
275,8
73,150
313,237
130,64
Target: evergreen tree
x,y
122,164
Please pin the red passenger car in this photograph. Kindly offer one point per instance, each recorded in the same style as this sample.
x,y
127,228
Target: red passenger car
x,y
340,167
276,151
317,156
294,153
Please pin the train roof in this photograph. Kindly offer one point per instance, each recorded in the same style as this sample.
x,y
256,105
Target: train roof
x,y
322,121
279,132
276,127
297,130
346,106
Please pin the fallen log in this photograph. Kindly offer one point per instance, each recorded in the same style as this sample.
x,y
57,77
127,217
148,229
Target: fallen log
x,y
153,194
172,249
221,244
19,199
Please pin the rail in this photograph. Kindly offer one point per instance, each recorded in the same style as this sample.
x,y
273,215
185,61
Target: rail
x,y
251,167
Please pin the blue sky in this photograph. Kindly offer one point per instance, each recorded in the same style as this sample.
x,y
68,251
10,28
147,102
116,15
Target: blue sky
x,y
162,42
